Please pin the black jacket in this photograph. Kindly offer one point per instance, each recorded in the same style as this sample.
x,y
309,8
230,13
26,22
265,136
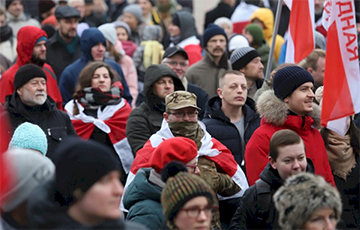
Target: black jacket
x,y
221,128
252,213
221,10
55,123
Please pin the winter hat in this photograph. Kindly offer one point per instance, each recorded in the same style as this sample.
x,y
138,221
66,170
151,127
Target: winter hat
x,y
242,56
181,188
79,164
238,41
45,5
42,38
211,31
301,196
123,25
27,72
320,40
224,20
176,20
29,136
288,79
135,9
109,32
256,32
8,2
173,149
28,170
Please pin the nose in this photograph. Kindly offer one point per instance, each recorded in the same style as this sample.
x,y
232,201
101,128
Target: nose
x,y
311,94
202,215
329,224
197,171
261,65
186,117
118,188
296,164
167,85
41,87
101,79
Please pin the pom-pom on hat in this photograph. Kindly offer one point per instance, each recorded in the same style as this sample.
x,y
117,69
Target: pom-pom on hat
x,y
211,31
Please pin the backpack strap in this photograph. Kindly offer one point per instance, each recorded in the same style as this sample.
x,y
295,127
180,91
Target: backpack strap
x,y
263,192
50,72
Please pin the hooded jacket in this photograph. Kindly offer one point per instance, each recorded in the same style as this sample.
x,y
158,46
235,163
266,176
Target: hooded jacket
x,y
70,75
221,128
146,119
275,116
25,45
266,16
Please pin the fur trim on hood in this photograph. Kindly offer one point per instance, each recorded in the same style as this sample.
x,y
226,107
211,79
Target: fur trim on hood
x,y
275,111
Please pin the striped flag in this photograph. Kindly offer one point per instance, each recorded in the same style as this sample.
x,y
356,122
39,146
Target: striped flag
x,y
341,97
301,38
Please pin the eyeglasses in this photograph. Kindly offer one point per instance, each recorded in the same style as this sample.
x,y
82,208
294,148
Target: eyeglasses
x,y
175,63
194,212
182,114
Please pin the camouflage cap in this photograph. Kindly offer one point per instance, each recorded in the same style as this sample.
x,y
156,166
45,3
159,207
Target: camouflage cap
x,y
180,100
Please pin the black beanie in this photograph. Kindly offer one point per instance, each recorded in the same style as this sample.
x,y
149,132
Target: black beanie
x,y
80,164
211,31
8,2
27,72
288,79
242,56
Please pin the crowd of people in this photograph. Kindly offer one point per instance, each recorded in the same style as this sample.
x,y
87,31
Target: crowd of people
x,y
118,114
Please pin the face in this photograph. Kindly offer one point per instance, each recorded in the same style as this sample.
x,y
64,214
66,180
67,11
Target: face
x,y
146,6
2,20
121,34
248,35
101,79
98,52
254,69
178,64
130,19
163,87
201,221
180,115
318,74
259,23
216,46
16,8
192,167
38,55
233,90
102,200
322,219
319,5
80,6
227,29
67,27
291,160
174,30
33,93
300,101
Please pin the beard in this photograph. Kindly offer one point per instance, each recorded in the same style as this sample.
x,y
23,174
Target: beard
x,y
37,60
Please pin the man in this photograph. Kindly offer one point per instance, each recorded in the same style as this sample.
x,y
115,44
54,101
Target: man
x,y
145,120
30,103
247,60
31,48
93,47
225,8
64,47
315,64
287,157
289,106
16,18
206,73
177,59
230,117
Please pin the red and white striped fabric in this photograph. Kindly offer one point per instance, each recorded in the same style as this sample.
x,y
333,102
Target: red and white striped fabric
x,y
241,16
341,96
301,38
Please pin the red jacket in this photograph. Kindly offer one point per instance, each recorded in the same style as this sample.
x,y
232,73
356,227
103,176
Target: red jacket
x,y
27,37
274,118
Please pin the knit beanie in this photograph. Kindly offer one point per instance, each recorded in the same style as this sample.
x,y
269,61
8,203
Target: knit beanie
x,y
123,25
29,136
80,164
109,32
238,41
28,170
301,196
45,5
288,79
173,149
27,72
224,21
135,9
211,31
242,56
256,32
320,40
8,2
181,188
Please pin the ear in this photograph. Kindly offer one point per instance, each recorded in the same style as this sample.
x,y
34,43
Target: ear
x,y
242,70
19,92
219,92
286,99
166,116
272,163
310,70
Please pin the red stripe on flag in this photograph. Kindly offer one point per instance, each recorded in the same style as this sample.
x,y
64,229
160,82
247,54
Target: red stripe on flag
x,y
301,29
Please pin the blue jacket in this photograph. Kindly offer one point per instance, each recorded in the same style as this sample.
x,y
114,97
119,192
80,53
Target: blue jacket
x,y
70,75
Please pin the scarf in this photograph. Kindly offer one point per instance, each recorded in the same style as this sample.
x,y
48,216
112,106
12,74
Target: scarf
x,y
71,46
175,40
5,33
188,129
93,98
340,153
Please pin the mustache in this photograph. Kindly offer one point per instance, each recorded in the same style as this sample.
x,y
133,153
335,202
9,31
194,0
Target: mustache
x,y
40,94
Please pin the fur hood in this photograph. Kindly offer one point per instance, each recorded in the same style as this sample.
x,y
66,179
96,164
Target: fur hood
x,y
275,111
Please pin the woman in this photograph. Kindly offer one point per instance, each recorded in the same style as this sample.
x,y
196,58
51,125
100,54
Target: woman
x,y
98,110
123,34
307,201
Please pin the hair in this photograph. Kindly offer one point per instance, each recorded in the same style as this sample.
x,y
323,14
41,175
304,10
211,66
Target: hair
x,y
112,51
282,138
311,60
86,76
235,72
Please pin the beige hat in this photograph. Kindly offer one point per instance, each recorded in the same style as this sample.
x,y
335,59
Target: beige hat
x,y
180,100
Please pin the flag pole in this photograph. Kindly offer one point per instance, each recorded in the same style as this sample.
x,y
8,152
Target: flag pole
x,y
272,47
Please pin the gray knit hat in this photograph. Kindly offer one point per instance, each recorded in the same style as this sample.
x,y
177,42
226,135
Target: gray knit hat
x,y
27,169
242,56
301,196
109,32
135,9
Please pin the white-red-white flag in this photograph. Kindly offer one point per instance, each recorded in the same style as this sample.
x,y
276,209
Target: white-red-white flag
x,y
301,38
341,96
